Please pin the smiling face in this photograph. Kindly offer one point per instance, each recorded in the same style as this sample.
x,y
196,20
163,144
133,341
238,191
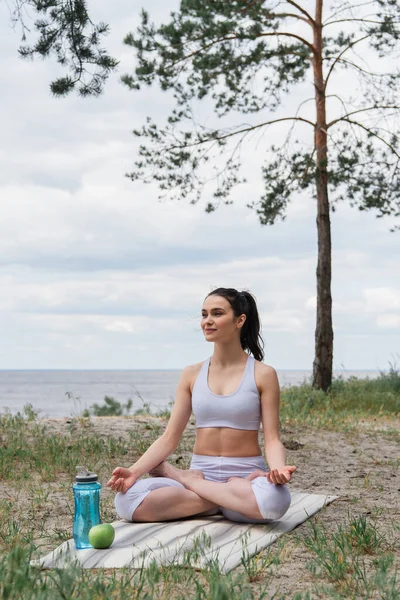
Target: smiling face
x,y
218,321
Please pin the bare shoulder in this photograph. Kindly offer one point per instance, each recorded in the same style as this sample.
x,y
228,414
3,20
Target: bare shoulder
x,y
189,374
265,376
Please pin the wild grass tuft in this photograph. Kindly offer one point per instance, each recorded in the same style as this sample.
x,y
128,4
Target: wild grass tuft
x,y
355,559
346,401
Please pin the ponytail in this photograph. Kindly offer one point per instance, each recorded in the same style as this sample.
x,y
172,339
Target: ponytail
x,y
245,303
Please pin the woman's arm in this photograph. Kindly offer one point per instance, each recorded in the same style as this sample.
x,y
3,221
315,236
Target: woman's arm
x,y
165,445
275,453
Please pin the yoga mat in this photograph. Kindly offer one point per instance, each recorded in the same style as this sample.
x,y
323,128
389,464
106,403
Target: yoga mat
x,y
196,541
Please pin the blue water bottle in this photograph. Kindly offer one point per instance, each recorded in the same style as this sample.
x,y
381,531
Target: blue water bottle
x,y
87,506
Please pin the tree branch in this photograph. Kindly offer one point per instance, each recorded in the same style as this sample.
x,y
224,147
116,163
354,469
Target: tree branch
x,y
234,37
358,111
341,54
73,40
346,7
358,20
352,64
293,35
373,134
245,130
302,10
293,15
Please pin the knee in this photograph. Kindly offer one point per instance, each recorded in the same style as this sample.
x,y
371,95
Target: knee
x,y
251,510
281,503
122,505
126,503
273,500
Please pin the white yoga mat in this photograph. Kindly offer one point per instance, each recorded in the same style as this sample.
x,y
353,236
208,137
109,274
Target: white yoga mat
x,y
194,541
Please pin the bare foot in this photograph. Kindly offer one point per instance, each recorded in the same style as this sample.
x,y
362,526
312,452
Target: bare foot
x,y
192,474
165,469
250,477
255,474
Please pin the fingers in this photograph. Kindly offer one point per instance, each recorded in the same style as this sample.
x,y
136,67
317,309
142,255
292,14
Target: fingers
x,y
117,481
277,477
281,476
117,484
119,471
115,476
120,485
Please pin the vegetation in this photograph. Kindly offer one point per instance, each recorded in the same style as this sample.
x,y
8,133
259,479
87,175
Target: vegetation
x,y
110,408
66,32
340,557
346,401
354,559
243,58
113,408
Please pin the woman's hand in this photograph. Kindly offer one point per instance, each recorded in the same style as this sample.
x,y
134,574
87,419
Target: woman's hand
x,y
280,476
122,479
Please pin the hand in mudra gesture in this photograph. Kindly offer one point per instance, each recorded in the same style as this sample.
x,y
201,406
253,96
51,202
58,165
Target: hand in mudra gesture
x,y
277,476
122,479
281,476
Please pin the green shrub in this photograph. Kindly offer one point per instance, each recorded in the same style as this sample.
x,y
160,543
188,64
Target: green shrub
x,y
110,408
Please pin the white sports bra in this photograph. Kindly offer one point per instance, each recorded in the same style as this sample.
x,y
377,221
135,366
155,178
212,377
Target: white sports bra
x,y
239,410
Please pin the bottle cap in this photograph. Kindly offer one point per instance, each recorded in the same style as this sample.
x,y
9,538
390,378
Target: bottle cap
x,y
85,476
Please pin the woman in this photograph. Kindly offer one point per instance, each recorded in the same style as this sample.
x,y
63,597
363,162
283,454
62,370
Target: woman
x,y
229,394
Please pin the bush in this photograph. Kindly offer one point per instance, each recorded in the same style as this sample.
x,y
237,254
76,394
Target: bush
x,y
110,408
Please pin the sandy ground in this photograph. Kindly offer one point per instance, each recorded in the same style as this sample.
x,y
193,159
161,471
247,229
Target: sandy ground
x,y
361,467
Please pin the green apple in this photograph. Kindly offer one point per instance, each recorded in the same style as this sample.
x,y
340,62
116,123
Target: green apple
x,y
101,536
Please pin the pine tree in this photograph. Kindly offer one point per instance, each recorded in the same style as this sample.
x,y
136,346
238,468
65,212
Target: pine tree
x,y
244,56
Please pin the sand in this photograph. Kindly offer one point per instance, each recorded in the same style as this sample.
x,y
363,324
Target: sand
x,y
361,467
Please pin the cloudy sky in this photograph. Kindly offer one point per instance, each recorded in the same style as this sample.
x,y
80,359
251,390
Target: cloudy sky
x,y
96,273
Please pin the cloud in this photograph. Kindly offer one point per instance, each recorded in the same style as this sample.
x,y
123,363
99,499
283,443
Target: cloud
x,y
96,273
389,321
284,320
382,299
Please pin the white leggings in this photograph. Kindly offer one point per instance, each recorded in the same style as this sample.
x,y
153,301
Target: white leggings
x,y
273,500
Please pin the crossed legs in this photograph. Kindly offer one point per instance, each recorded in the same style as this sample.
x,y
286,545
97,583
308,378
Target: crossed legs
x,y
197,495
169,504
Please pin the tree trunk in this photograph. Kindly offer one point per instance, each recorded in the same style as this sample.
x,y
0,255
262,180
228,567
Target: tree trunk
x,y
322,368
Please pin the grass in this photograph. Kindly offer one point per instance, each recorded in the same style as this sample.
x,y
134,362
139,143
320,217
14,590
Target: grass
x,y
356,559
23,582
346,402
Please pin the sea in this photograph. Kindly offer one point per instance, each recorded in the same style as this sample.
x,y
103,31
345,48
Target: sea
x,y
62,393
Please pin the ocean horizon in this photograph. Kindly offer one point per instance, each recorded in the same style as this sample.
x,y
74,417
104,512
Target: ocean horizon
x,y
68,392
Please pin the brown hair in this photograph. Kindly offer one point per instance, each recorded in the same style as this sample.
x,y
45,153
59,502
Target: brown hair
x,y
245,303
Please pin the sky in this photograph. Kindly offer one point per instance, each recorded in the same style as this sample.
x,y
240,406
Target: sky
x,y
97,273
